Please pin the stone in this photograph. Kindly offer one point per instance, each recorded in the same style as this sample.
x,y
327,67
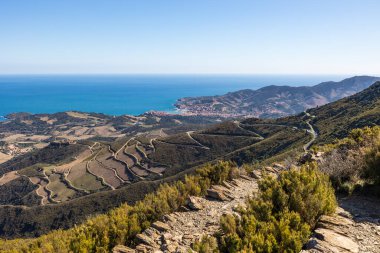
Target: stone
x,y
194,203
278,166
160,226
151,232
122,249
216,194
187,237
337,240
307,157
227,185
169,217
183,209
235,183
255,174
271,170
245,177
169,246
142,248
145,239
167,236
334,220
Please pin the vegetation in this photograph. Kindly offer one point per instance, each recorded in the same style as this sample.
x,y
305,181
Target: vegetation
x,y
353,162
119,226
280,217
337,119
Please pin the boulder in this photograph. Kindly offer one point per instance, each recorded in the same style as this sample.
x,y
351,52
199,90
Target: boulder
x,y
278,166
217,194
245,177
160,226
122,249
194,203
145,240
169,217
271,170
328,221
227,185
255,174
336,240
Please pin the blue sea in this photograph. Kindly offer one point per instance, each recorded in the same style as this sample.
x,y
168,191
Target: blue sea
x,y
126,94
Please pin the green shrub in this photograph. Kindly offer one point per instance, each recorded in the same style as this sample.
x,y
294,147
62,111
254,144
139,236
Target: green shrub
x,y
372,162
208,244
280,217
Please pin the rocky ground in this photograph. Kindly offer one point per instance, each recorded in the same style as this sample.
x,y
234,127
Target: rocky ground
x,y
355,227
177,231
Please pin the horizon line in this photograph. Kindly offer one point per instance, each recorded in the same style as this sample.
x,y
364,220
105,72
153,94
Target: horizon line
x,y
188,74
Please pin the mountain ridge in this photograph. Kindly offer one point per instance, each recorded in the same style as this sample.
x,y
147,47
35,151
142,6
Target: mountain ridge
x,y
274,100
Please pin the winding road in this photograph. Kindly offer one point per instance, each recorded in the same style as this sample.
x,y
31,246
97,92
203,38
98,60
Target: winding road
x,y
312,131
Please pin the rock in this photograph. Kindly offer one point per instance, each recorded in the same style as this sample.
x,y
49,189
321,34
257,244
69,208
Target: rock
x,y
169,246
183,209
235,183
142,248
307,157
169,217
187,237
278,166
271,170
327,221
245,177
151,232
160,226
336,240
255,174
122,249
145,239
217,194
319,154
167,236
227,185
315,245
194,203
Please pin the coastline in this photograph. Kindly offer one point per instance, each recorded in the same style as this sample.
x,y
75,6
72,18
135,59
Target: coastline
x,y
125,95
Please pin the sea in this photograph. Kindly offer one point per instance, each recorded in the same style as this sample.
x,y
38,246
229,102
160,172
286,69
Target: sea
x,y
127,94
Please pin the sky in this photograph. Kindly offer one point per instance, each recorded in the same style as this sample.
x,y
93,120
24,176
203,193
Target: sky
x,y
190,36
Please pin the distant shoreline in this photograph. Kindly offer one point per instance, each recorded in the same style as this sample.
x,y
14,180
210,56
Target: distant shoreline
x,y
126,94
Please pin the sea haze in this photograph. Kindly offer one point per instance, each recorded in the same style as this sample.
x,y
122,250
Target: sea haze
x,y
126,94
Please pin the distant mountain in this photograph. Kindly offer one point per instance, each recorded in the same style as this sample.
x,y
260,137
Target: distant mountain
x,y
275,101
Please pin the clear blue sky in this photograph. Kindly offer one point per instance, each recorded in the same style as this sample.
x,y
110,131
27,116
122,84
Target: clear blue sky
x,y
193,36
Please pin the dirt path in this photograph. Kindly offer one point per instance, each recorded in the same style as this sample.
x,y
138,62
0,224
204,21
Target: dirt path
x,y
355,227
197,142
314,135
179,229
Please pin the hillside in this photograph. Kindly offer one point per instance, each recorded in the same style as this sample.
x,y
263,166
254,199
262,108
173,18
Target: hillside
x,y
274,101
336,119
68,180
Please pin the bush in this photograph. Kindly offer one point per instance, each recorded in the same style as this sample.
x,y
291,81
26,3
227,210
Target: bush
x,y
208,244
280,217
351,162
372,162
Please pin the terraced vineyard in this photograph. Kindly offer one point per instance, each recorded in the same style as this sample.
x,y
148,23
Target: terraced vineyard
x,y
132,165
